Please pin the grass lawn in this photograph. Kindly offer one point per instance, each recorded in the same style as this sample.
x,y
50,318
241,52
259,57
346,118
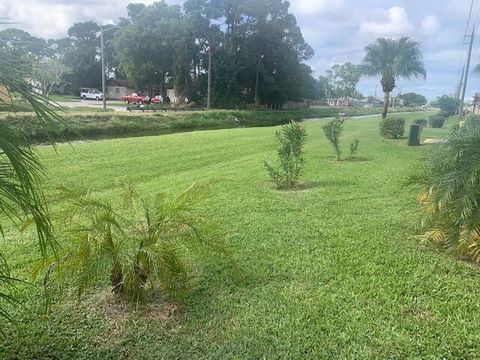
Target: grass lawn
x,y
331,271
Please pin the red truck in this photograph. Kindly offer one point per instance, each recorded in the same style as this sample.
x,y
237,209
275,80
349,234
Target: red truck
x,y
135,98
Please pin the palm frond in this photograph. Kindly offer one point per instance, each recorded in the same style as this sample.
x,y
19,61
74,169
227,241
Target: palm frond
x,y
450,192
153,243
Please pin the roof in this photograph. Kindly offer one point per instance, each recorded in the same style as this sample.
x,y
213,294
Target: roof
x,y
118,82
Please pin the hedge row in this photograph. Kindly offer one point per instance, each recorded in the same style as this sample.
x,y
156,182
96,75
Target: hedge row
x,y
98,125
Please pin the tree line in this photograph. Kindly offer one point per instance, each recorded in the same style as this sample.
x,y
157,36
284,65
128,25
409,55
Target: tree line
x,y
238,51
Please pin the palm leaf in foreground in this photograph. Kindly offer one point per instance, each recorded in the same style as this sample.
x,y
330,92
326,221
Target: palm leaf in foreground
x,y
450,192
20,171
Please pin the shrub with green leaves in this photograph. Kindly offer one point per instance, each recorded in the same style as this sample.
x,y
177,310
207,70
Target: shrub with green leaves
x,y
436,121
286,172
392,127
421,122
450,191
354,147
333,131
140,246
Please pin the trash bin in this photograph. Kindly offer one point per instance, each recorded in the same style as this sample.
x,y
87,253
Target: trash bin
x,y
414,135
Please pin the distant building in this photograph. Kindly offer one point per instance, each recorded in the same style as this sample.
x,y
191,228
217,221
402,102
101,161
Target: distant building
x,y
115,89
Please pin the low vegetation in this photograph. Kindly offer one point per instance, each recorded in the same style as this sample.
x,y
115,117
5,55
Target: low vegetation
x,y
286,172
450,189
94,125
436,121
333,131
315,259
422,122
141,246
392,127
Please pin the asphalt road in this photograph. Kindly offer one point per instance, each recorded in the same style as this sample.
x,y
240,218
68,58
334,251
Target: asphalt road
x,y
115,105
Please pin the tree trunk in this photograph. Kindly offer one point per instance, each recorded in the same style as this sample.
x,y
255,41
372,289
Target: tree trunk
x,y
257,79
386,102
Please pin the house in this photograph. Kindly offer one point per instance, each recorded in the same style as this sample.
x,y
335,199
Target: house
x,y
115,89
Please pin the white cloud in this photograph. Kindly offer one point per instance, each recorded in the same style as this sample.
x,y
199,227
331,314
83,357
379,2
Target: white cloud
x,y
314,7
392,23
430,24
52,18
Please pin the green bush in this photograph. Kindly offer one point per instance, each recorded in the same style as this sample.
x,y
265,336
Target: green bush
x,y
333,131
108,124
392,127
436,121
286,172
421,122
143,245
354,147
449,191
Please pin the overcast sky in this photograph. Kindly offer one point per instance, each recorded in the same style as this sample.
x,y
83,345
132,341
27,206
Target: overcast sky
x,y
338,31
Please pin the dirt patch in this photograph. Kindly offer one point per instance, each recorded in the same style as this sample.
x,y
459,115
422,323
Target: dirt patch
x,y
117,312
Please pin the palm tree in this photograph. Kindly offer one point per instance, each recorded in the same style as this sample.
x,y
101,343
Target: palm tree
x,y
449,185
20,169
392,59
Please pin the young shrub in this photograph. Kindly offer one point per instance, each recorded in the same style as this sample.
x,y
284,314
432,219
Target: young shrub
x,y
436,121
354,147
421,122
392,127
286,173
143,245
333,131
449,191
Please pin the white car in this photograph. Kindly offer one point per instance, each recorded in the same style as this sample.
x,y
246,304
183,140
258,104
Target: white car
x,y
91,94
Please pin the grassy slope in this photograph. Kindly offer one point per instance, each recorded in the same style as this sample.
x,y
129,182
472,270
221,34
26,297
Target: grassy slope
x,y
330,271
96,123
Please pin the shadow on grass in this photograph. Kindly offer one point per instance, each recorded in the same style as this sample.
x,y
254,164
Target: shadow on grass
x,y
309,185
358,159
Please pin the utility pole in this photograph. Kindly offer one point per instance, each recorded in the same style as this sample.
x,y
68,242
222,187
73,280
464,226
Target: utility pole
x,y
209,86
460,84
467,69
104,97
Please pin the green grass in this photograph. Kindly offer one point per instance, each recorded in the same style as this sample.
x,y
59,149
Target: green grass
x,y
331,271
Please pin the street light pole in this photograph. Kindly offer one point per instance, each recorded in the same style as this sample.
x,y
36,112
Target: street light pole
x,y
104,97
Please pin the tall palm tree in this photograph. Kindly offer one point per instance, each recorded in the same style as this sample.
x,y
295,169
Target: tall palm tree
x,y
392,59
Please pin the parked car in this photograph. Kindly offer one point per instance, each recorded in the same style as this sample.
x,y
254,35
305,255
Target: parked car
x,y
133,98
157,99
91,94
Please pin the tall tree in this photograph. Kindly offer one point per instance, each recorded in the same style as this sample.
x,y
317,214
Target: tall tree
x,y
145,44
80,52
392,59
200,14
412,99
47,73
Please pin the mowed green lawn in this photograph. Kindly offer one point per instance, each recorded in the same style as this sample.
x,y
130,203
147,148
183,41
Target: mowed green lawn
x,y
330,271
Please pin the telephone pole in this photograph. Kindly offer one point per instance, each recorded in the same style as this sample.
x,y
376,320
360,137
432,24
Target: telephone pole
x,y
104,97
467,69
459,87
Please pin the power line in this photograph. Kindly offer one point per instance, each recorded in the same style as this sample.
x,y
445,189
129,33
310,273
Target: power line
x,y
469,18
